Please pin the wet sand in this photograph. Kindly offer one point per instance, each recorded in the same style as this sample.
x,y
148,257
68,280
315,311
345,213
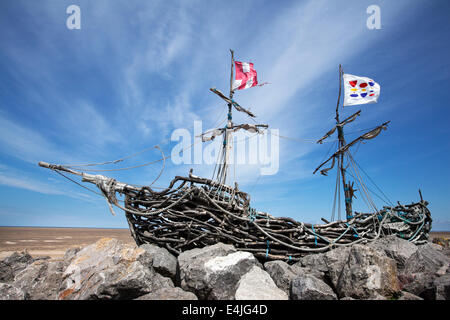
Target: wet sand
x,y
53,242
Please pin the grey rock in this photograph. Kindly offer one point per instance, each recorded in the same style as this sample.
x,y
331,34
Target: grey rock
x,y
436,246
13,264
69,255
408,296
315,261
347,298
420,284
446,252
427,259
362,272
168,293
308,287
213,272
422,269
41,280
109,269
162,261
10,292
395,248
257,284
442,285
281,273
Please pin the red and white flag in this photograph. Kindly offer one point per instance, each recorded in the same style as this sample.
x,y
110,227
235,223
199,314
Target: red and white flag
x,y
245,76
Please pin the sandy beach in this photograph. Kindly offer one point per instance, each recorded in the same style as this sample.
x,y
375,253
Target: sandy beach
x,y
53,242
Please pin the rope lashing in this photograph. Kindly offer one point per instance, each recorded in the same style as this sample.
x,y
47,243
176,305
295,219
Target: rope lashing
x,y
417,231
315,235
188,202
356,235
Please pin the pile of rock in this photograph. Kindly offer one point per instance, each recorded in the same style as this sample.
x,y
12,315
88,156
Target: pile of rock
x,y
389,268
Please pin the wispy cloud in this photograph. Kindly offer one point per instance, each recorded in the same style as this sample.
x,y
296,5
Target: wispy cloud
x,y
22,180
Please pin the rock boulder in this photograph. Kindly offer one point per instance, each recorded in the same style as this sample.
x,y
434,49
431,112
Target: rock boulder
x,y
257,284
13,264
213,272
109,269
308,287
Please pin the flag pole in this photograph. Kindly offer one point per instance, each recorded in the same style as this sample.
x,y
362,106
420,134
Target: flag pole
x,y
227,135
340,130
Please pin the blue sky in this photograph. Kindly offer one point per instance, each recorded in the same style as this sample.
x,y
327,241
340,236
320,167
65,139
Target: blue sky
x,y
138,70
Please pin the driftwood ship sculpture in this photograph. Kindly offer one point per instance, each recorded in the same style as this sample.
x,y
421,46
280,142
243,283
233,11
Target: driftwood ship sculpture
x,y
195,212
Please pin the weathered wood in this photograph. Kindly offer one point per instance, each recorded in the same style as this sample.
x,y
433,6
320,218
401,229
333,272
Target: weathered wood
x,y
200,213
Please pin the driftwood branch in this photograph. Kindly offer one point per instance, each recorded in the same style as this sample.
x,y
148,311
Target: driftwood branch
x,y
195,212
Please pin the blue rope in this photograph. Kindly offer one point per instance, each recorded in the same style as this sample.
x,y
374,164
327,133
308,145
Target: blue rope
x,y
420,228
267,250
315,235
356,235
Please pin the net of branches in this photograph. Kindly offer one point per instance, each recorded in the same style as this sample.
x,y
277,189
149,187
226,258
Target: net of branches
x,y
195,212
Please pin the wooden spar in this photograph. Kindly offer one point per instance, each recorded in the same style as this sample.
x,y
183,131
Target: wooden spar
x,y
232,72
120,186
348,145
234,103
86,177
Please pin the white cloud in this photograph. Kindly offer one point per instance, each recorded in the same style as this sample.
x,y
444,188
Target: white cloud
x,y
21,180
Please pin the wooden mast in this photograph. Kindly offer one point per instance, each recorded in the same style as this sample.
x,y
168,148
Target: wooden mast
x,y
227,136
340,128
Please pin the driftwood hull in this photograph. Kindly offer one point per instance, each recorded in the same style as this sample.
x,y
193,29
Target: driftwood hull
x,y
199,215
194,212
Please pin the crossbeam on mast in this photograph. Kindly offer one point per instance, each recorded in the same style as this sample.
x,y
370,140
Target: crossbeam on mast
x,y
230,101
368,135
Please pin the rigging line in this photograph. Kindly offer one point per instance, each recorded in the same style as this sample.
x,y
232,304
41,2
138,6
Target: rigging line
x,y
339,194
335,195
130,156
254,185
76,182
379,189
364,188
334,145
358,131
373,192
363,197
302,140
162,169
141,165
107,162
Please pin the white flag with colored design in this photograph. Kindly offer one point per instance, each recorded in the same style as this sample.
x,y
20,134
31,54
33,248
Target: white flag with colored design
x,y
360,90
